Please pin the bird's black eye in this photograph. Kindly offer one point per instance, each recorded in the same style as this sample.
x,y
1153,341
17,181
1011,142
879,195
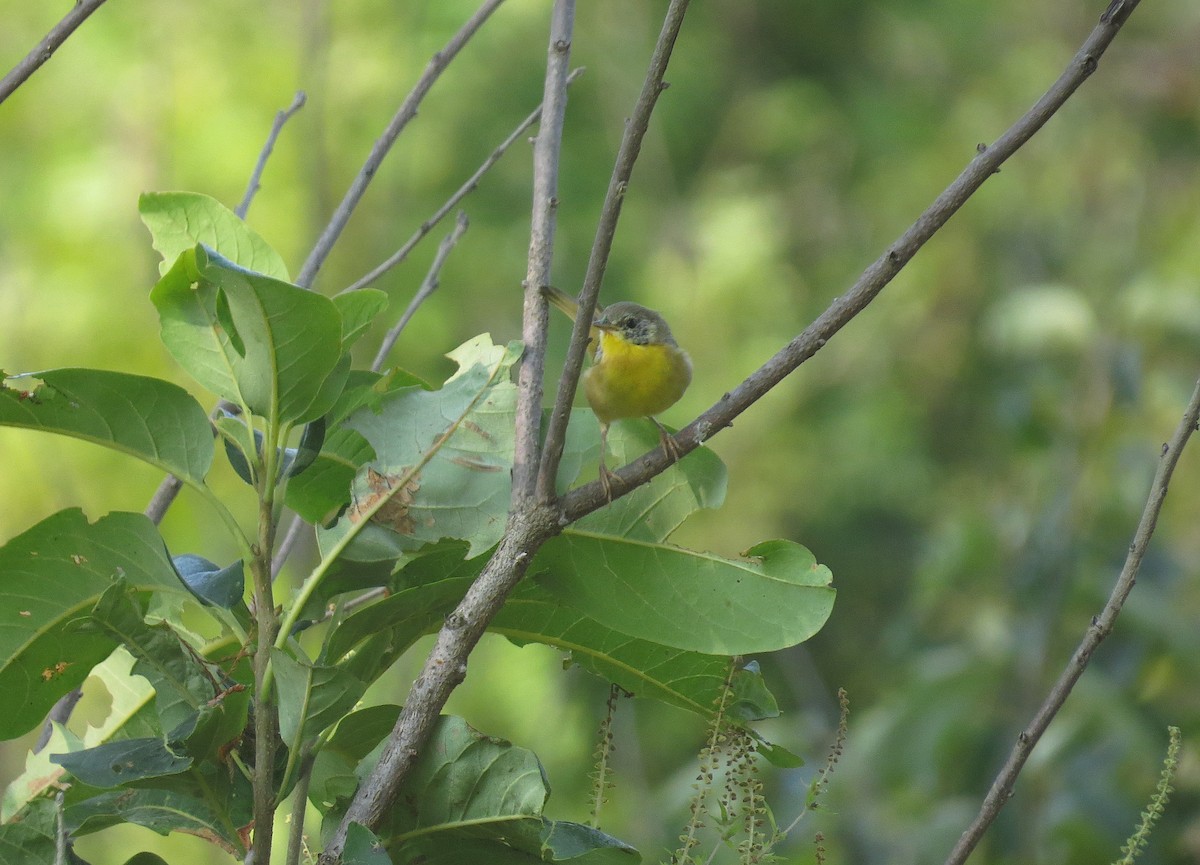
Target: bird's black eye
x,y
628,321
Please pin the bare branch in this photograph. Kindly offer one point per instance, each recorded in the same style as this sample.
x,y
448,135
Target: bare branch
x,y
1101,627
987,162
428,286
281,117
546,152
610,212
408,110
45,49
163,498
471,184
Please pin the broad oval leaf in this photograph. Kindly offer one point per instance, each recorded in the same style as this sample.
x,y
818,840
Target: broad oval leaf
x,y
153,420
179,220
247,337
442,458
775,598
51,577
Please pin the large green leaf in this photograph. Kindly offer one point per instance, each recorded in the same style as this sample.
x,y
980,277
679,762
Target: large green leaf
x,y
775,597
334,771
689,680
615,566
51,577
442,458
179,220
163,811
311,697
181,683
249,338
33,839
114,764
153,420
481,799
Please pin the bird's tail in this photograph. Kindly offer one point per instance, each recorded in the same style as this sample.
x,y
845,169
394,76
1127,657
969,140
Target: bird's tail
x,y
559,298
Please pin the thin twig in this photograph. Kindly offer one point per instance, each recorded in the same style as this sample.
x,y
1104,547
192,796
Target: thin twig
x,y
547,150
987,162
1100,628
428,286
281,117
610,212
45,49
407,111
463,191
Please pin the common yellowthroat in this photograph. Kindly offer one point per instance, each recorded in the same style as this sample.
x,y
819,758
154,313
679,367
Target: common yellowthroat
x,y
638,370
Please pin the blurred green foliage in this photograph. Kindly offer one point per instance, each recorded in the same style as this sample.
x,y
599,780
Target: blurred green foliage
x,y
969,457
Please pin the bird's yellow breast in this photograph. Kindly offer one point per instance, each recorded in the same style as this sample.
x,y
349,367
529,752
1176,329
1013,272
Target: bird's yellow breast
x,y
630,380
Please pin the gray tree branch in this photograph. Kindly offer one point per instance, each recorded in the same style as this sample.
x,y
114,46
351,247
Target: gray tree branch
x,y
407,111
45,49
1102,625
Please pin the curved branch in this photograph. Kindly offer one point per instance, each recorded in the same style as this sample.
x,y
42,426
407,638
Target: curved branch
x,y
1101,627
987,162
407,111
46,48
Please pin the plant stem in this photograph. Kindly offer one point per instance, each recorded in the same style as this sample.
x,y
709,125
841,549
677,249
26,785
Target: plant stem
x,y
266,719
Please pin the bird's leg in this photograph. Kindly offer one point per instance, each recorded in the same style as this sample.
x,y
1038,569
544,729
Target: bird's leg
x,y
670,448
606,477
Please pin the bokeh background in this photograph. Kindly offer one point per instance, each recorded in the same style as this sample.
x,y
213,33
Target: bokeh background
x,y
969,456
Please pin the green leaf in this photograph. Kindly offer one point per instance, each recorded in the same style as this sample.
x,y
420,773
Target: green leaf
x,y
687,679
248,338
163,811
470,792
311,697
363,848
323,490
118,763
776,597
653,511
31,840
153,420
182,684
358,308
334,777
180,220
212,584
442,458
51,577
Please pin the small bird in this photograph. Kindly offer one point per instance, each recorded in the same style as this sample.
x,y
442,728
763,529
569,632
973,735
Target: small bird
x,y
638,370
